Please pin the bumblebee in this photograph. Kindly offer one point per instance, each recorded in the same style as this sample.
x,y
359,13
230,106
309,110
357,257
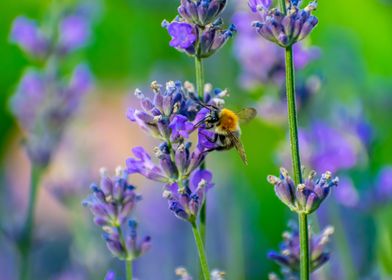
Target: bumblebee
x,y
226,126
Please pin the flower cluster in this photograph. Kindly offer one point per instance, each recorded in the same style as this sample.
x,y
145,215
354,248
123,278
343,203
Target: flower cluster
x,y
73,32
262,62
171,117
112,203
184,274
304,198
284,29
198,30
289,256
45,101
44,105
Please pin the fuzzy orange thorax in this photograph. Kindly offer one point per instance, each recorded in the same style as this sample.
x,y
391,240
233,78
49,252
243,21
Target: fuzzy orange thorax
x,y
228,120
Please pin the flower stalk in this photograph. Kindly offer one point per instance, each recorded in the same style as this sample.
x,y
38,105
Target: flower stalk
x,y
199,76
200,81
128,269
201,251
295,156
28,230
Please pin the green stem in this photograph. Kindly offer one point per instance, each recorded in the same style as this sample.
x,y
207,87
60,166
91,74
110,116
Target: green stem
x,y
282,6
199,77
295,156
28,230
203,220
128,261
201,251
200,91
296,161
292,115
128,269
304,246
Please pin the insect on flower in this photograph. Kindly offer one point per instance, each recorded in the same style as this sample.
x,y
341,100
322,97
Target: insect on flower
x,y
226,126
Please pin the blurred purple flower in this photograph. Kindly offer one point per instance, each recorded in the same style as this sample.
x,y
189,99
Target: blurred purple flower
x,y
44,106
74,32
289,256
303,198
257,5
327,148
81,80
286,29
201,12
346,194
384,184
112,203
30,93
110,276
27,35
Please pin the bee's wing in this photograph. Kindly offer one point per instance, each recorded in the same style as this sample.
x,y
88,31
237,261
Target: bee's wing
x,y
247,114
238,146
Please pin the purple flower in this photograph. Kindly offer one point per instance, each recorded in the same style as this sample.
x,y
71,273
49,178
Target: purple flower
x,y
180,127
110,275
171,116
346,194
198,41
26,34
201,12
183,34
74,32
81,80
112,203
44,106
303,198
287,29
329,148
261,61
30,94
213,38
384,184
185,201
289,256
257,5
143,165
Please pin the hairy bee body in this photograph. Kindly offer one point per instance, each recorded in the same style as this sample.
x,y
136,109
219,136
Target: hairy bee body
x,y
226,125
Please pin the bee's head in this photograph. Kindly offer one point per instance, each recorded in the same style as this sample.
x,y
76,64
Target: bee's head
x,y
212,119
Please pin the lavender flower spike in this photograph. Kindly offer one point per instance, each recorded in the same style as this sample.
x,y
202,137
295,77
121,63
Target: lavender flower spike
x,y
196,41
289,256
201,12
112,203
185,201
286,29
304,198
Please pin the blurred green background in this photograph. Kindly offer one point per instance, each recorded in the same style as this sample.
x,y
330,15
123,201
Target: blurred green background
x,y
129,49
